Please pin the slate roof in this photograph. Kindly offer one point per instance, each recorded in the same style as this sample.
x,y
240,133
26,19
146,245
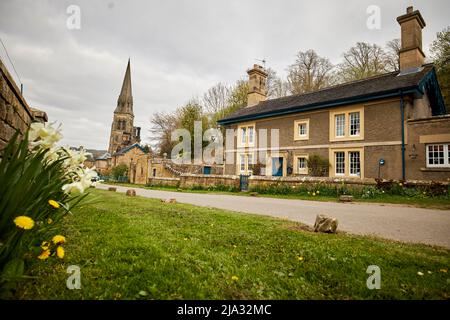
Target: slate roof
x,y
104,156
376,87
126,149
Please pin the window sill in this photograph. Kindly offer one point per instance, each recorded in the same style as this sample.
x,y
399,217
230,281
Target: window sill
x,y
346,138
443,169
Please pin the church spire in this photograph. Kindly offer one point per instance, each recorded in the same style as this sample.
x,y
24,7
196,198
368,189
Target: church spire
x,y
125,101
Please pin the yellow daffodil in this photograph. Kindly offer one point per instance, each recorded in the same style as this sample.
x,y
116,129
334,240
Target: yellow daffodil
x,y
24,222
44,255
300,258
54,204
45,245
49,220
58,239
443,270
234,278
314,194
318,192
60,252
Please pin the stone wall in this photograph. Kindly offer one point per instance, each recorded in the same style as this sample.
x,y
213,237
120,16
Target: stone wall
x,y
208,180
14,110
164,182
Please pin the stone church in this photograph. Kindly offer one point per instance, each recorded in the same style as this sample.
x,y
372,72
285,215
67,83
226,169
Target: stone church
x,y
123,131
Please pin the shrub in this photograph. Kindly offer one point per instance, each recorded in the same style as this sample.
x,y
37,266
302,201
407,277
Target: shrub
x,y
40,184
318,166
370,192
120,170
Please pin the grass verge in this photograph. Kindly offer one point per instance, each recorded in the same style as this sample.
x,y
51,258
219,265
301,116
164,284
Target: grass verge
x,y
139,248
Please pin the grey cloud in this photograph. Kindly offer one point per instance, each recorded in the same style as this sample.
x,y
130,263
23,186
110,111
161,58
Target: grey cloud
x,y
178,49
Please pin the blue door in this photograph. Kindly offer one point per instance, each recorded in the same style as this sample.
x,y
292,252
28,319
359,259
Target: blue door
x,y
277,167
206,170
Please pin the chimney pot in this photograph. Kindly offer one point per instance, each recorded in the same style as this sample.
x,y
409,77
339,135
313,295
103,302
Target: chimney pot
x,y
409,9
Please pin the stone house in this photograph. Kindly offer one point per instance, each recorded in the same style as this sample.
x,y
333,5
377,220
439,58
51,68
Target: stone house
x,y
391,126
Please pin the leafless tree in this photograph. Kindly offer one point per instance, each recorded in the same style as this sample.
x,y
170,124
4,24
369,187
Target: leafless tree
x,y
362,61
162,125
393,55
310,72
215,100
276,87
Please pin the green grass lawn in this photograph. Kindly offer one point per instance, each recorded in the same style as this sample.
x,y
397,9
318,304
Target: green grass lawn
x,y
442,203
138,248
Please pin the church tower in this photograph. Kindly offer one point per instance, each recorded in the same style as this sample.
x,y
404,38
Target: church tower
x,y
123,131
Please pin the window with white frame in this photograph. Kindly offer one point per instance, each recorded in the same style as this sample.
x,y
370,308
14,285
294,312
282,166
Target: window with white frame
x,y
249,159
340,125
250,134
302,129
243,135
354,123
339,162
246,162
246,135
242,162
302,167
355,163
301,163
438,155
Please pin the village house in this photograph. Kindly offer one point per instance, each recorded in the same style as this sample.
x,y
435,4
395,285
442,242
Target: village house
x,y
391,126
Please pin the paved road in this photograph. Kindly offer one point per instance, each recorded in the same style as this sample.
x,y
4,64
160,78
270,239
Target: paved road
x,y
401,223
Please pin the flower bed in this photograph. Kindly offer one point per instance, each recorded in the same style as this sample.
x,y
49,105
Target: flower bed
x,y
40,184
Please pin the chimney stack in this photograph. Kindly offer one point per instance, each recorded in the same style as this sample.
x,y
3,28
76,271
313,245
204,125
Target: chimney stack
x,y
411,54
257,78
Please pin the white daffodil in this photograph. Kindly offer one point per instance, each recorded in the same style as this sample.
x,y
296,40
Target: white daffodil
x,y
75,159
53,154
73,188
44,135
88,175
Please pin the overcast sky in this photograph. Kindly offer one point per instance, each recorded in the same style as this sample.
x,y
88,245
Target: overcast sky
x,y
178,49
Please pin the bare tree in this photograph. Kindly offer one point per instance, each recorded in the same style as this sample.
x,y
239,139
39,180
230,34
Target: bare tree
x,y
310,72
362,61
276,87
393,55
215,100
162,125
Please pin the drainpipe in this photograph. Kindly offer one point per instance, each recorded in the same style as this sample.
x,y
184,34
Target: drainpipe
x,y
402,110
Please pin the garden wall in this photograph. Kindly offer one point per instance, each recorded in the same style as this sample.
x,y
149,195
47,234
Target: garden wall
x,y
194,180
15,113
164,182
208,181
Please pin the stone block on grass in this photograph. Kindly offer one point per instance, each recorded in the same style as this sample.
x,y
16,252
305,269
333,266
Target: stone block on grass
x,y
345,198
325,224
131,193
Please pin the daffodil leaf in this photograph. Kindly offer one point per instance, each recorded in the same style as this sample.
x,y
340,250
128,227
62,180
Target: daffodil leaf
x,y
13,269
